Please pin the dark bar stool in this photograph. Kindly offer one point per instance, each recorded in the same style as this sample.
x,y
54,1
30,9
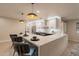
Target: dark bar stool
x,y
13,38
23,49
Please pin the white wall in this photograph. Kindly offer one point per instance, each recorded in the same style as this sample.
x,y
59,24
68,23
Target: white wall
x,y
8,26
71,30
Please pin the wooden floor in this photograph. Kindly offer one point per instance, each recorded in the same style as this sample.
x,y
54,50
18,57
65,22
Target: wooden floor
x,y
71,50
5,49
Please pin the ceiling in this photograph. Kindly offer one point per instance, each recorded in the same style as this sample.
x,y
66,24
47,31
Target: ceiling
x,y
67,10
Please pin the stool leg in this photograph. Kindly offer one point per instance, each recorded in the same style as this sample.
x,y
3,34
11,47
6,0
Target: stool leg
x,y
14,52
11,45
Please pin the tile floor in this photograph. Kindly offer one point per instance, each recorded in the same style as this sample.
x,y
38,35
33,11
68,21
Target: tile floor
x,y
71,50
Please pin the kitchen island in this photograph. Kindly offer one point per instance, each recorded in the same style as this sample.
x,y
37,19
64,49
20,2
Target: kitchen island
x,y
51,45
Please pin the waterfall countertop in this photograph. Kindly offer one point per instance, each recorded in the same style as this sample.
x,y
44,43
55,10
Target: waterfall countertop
x,y
44,39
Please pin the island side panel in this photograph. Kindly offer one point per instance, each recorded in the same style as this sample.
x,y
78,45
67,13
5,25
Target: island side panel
x,y
54,48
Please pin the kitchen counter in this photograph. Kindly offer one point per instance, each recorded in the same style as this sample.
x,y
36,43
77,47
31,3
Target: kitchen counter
x,y
49,45
44,39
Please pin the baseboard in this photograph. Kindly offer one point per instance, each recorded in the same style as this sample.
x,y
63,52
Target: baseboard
x,y
4,41
74,41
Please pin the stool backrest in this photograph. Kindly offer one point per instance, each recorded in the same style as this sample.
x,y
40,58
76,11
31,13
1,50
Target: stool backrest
x,y
19,39
13,37
22,48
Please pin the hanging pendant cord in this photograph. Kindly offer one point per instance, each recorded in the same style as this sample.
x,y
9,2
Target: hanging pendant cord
x,y
22,15
32,7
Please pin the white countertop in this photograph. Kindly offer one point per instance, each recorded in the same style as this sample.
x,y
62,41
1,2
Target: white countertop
x,y
44,39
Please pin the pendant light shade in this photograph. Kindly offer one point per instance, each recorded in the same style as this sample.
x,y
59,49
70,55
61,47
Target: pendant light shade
x,y
21,21
32,15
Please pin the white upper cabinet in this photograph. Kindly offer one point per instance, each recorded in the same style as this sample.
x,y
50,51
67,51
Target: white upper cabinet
x,y
50,25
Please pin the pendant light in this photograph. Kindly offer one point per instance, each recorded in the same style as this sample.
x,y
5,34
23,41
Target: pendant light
x,y
32,15
21,21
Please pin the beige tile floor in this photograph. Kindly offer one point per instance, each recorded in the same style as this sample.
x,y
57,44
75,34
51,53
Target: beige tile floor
x,y
71,50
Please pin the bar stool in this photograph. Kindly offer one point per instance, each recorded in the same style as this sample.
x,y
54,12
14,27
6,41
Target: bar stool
x,y
23,49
